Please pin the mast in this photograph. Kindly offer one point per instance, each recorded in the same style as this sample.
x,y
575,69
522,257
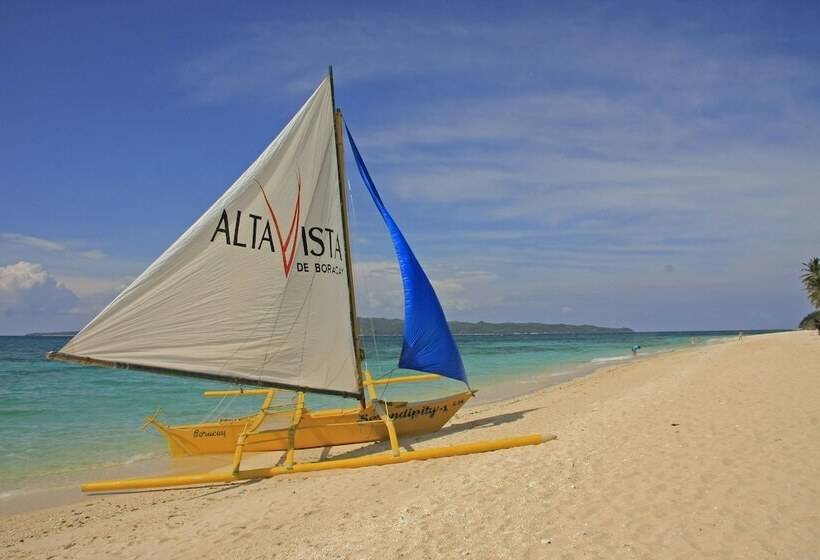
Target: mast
x,y
351,290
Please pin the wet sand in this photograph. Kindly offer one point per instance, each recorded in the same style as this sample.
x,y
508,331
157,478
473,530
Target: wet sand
x,y
708,452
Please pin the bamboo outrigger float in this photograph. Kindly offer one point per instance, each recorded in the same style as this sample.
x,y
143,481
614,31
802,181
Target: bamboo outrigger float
x,y
280,327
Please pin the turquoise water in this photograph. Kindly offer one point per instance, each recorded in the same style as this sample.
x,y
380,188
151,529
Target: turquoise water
x,y
57,418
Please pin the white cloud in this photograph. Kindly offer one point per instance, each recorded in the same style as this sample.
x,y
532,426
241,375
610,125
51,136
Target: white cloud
x,y
33,298
379,290
56,285
453,296
34,242
93,255
272,57
21,276
93,286
380,293
27,289
17,243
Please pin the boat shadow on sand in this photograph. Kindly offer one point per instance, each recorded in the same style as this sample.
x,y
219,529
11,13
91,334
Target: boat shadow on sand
x,y
408,442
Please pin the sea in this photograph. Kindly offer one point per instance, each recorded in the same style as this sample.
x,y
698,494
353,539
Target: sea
x,y
58,418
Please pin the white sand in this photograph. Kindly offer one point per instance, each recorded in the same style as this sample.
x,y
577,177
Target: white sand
x,y
710,452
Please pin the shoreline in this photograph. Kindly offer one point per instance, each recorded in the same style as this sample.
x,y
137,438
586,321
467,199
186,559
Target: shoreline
x,y
52,490
546,379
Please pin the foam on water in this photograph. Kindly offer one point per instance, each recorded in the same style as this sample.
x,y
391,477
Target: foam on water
x,y
610,359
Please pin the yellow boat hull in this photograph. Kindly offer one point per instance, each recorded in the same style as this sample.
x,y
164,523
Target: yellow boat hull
x,y
322,428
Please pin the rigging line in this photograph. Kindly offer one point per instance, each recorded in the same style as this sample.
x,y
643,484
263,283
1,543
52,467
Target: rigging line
x,y
213,411
364,280
365,283
375,343
223,405
387,375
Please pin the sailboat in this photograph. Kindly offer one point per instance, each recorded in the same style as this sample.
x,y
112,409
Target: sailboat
x,y
259,292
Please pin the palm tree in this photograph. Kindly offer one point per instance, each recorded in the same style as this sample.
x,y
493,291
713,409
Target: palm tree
x,y
811,280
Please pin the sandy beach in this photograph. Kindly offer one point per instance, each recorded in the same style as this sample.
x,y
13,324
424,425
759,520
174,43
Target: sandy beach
x,y
708,452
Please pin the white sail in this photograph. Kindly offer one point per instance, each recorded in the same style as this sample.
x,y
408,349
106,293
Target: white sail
x,y
256,289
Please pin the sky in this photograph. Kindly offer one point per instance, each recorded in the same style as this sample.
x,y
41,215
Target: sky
x,y
650,165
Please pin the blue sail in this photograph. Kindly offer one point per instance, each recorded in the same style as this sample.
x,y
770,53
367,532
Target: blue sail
x,y
428,343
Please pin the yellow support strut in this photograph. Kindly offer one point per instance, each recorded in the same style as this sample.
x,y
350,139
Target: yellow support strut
x,y
243,437
358,462
384,414
381,407
294,424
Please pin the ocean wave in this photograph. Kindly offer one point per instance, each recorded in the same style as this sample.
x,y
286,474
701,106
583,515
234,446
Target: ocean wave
x,y
5,495
610,359
136,459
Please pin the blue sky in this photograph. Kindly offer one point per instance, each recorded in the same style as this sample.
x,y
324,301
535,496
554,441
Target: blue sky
x,y
654,166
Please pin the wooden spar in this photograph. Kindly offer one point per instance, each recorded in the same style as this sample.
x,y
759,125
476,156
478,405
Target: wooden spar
x,y
404,379
357,462
239,393
235,379
351,290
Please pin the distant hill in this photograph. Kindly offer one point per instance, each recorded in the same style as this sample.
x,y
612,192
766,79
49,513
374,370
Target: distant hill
x,y
393,327
808,320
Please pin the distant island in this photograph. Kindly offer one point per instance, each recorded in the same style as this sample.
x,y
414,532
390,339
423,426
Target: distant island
x,y
393,327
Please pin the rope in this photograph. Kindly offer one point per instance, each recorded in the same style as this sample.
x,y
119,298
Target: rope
x,y
230,400
375,343
384,387
364,280
212,413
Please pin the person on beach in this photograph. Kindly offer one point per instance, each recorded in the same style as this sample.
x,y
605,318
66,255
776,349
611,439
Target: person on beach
x,y
740,336
635,350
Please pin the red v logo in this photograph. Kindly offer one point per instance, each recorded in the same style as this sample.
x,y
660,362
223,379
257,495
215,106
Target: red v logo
x,y
289,244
